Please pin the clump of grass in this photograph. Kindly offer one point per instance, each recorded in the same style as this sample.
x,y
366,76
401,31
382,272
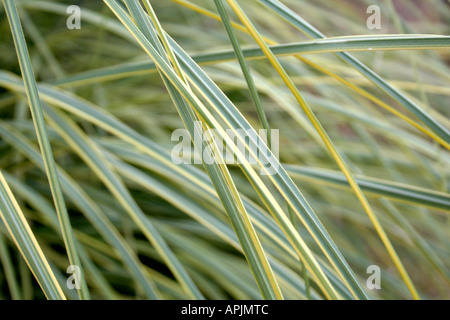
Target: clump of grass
x,y
87,178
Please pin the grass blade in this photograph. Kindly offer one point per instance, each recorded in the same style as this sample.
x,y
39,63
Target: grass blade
x,y
22,235
38,118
